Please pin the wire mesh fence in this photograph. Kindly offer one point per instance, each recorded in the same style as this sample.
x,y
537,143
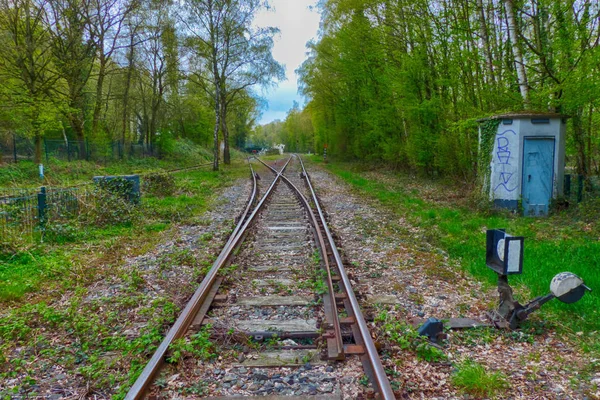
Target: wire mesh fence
x,y
15,148
27,215
19,217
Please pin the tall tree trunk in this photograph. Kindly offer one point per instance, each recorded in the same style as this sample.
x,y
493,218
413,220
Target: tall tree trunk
x,y
125,115
76,122
37,157
99,88
216,133
513,30
483,30
226,153
580,144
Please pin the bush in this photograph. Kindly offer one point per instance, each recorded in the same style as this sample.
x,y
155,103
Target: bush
x,y
160,185
272,152
108,203
589,210
59,233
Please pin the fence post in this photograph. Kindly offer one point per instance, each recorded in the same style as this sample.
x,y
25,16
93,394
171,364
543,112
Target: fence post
x,y
579,188
46,149
567,185
15,147
68,150
42,206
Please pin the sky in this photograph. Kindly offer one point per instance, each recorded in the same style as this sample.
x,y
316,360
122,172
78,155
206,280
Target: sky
x,y
298,25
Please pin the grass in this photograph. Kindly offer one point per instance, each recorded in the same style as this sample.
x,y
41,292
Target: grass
x,y
567,241
64,173
472,378
45,303
59,265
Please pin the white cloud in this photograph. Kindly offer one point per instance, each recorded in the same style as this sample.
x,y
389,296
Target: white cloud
x,y
298,25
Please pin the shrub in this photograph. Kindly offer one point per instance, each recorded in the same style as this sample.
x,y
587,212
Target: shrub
x,y
160,185
407,337
59,233
108,204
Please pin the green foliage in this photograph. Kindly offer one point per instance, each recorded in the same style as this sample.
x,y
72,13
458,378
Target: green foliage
x,y
488,130
407,337
26,268
165,142
60,233
109,203
198,346
472,378
391,85
159,185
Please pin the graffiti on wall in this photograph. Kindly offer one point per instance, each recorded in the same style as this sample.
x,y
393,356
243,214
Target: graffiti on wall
x,y
504,173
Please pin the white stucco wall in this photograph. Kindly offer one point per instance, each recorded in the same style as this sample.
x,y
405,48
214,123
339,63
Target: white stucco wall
x,y
505,179
507,157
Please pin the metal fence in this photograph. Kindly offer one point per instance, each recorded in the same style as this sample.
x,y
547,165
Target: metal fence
x,y
14,148
579,188
25,213
19,215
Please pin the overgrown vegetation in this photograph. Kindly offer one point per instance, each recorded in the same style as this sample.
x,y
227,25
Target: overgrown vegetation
x,y
407,338
62,173
92,336
197,346
106,222
404,82
447,218
110,72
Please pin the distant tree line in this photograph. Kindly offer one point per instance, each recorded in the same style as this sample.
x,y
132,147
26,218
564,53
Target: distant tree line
x,y
143,71
405,81
296,132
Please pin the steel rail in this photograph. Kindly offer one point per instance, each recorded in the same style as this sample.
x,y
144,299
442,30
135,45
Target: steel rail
x,y
186,317
339,342
383,383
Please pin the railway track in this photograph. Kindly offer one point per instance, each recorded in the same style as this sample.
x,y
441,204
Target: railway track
x,y
279,298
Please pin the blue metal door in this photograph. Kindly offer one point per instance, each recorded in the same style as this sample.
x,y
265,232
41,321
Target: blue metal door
x,y
538,175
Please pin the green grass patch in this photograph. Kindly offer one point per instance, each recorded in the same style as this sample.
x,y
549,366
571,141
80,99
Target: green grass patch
x,y
561,242
472,378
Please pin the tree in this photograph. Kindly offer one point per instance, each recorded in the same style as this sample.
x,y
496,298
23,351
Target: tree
x,y
106,21
26,63
405,81
513,29
237,56
74,50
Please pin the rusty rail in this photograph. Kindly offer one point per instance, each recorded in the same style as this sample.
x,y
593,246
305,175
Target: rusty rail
x,y
381,382
186,317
